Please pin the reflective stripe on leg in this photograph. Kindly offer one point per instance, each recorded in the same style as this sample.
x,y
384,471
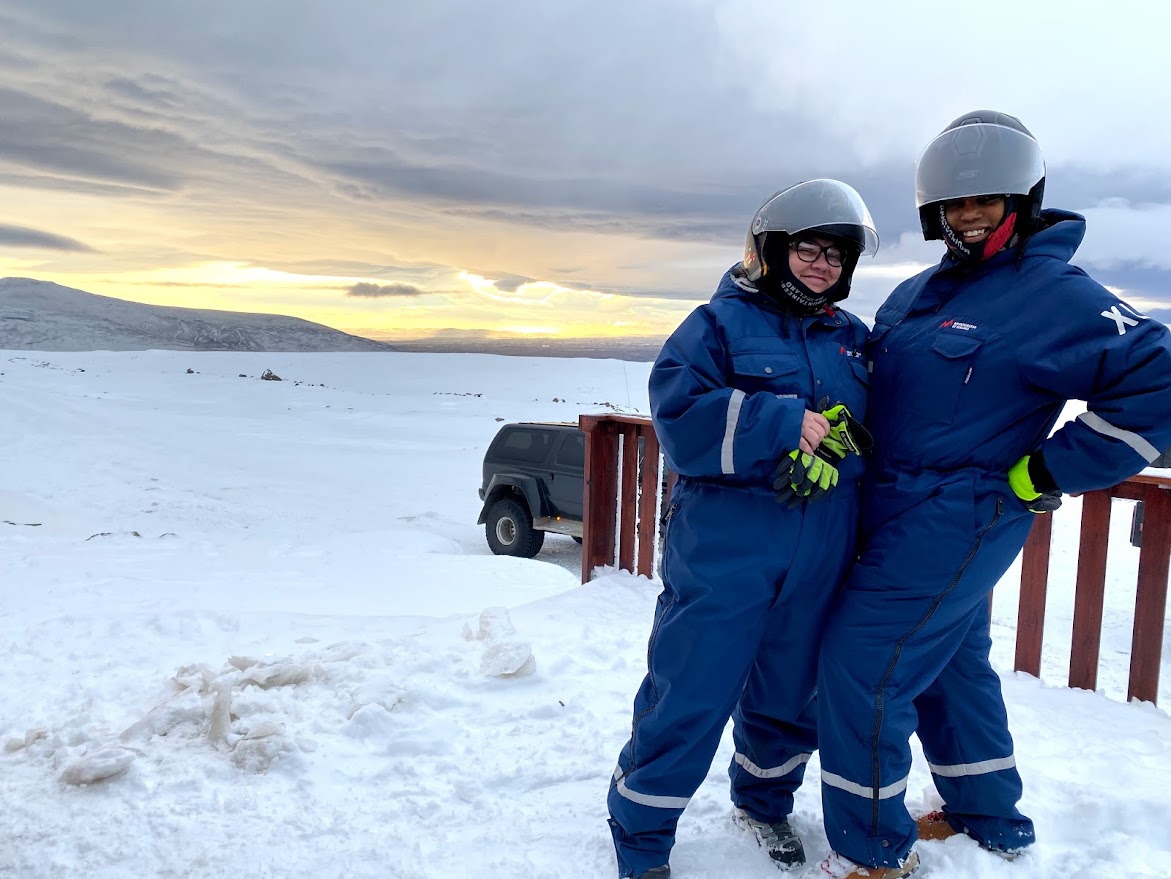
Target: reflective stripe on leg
x,y
860,790
647,799
983,767
776,772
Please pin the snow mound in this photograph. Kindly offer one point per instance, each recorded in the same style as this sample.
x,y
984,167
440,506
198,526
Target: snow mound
x,y
503,655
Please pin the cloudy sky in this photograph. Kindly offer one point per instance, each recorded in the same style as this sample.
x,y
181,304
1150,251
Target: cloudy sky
x,y
582,167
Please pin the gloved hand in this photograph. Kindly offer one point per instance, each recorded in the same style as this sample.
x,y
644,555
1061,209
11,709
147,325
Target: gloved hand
x,y
1020,480
801,476
846,435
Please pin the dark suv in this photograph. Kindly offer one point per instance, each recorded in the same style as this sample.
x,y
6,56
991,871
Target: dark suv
x,y
534,478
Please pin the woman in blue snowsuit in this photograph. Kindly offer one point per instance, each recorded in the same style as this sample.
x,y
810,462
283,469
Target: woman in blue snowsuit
x,y
737,398
973,361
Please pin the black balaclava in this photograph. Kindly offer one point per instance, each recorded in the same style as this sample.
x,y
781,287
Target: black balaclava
x,y
1003,236
779,282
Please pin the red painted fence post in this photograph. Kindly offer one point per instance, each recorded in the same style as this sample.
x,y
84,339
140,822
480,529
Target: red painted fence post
x,y
1150,605
629,506
1150,602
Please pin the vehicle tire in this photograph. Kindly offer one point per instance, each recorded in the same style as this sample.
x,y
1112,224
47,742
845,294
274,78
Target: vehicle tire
x,y
577,540
509,529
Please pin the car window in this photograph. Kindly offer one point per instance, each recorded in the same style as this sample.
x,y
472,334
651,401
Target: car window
x,y
572,451
526,445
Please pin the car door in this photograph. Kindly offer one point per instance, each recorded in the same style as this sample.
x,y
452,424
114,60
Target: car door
x,y
567,475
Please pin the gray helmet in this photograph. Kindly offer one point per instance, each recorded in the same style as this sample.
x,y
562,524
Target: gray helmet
x,y
829,207
980,153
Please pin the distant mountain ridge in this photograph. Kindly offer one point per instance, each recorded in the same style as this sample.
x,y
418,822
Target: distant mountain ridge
x,y
43,316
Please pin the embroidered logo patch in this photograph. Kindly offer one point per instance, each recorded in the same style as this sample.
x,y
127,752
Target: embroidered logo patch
x,y
957,325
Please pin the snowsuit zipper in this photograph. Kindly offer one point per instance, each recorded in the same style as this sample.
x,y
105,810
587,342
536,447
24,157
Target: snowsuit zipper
x,y
876,779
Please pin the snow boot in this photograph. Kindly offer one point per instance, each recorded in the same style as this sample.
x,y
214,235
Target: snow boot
x,y
780,840
935,826
838,867
663,872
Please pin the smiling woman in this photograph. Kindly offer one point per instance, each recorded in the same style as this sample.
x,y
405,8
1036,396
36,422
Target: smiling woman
x,y
974,219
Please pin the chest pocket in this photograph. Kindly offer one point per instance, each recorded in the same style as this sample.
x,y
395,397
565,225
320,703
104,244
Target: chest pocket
x,y
775,371
855,389
937,377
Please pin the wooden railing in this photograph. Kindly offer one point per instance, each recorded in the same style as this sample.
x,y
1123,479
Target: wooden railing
x,y
1150,606
616,446
615,527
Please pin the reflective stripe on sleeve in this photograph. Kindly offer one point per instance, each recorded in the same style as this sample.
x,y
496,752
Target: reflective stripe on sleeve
x,y
956,770
1098,424
884,793
727,464
647,799
776,772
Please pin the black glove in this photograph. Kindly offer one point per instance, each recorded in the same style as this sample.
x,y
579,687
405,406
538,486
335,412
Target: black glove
x,y
803,477
1031,481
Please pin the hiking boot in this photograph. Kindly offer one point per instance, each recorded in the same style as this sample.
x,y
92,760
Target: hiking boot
x,y
934,826
780,840
663,872
838,867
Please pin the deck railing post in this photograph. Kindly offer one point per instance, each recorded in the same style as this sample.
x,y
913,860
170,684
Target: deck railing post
x,y
1150,606
1090,592
1150,601
623,445
648,506
598,499
1030,629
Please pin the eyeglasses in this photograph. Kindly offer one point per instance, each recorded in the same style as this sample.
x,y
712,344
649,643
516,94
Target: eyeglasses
x,y
809,251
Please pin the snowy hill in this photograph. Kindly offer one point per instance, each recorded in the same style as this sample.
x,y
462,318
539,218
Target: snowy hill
x,y
42,316
251,629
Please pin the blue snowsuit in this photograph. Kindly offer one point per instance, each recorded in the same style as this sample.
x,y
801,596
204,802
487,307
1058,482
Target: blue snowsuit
x,y
747,582
971,368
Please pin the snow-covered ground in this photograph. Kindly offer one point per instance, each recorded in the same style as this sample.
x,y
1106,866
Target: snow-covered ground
x,y
264,609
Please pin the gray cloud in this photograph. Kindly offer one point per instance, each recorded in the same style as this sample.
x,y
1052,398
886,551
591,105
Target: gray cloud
x,y
473,127
510,113
74,185
378,291
356,268
41,134
1136,280
161,94
511,283
20,236
1079,186
1160,314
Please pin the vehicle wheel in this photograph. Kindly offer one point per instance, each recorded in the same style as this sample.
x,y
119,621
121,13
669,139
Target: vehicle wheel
x,y
509,529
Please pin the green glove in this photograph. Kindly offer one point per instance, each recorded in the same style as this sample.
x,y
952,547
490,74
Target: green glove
x,y
846,436
802,477
1021,483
